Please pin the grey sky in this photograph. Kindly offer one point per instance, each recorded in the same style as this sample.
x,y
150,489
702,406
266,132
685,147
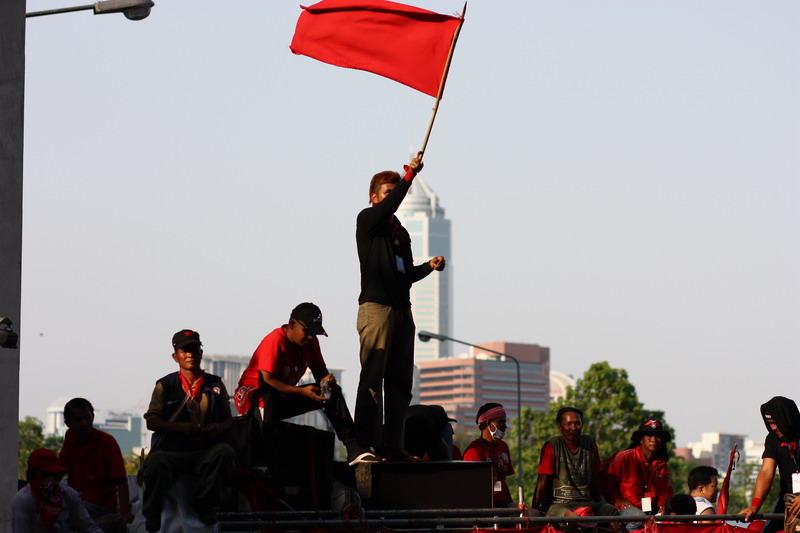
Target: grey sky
x,y
622,177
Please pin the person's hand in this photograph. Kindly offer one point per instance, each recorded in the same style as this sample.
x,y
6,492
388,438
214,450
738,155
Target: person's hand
x,y
313,392
416,164
437,263
330,378
189,428
622,503
128,517
794,507
750,511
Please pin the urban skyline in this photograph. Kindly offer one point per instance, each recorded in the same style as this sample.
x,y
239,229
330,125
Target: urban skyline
x,y
622,177
432,297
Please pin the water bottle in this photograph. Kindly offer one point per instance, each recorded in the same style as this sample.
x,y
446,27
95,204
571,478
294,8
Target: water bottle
x,y
326,389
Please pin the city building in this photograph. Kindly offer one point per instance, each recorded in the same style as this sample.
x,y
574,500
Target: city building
x,y
559,383
126,428
229,368
714,449
432,297
462,384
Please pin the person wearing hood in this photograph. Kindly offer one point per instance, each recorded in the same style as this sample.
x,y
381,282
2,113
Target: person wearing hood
x,y
491,420
781,453
636,480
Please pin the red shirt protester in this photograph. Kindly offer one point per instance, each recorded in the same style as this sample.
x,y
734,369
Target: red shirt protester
x,y
278,356
628,475
496,452
96,469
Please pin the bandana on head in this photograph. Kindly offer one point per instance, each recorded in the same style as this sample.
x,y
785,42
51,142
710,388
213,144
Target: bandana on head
x,y
491,414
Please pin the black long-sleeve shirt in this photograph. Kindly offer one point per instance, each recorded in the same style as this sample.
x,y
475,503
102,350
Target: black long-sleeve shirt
x,y
381,239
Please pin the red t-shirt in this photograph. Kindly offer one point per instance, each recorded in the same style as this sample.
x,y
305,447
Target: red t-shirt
x,y
497,453
547,462
96,469
284,360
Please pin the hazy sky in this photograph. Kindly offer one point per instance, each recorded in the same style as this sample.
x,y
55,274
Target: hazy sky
x,y
622,178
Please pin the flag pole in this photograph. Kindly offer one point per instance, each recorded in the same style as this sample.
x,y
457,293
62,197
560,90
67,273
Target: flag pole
x,y
444,80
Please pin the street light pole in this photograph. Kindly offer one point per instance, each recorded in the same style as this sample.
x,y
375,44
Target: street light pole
x,y
426,336
132,9
12,98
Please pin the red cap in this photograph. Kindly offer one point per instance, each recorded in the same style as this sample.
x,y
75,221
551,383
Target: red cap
x,y
47,460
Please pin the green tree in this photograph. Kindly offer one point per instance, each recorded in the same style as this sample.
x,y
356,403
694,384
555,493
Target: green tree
x,y
32,437
611,412
743,479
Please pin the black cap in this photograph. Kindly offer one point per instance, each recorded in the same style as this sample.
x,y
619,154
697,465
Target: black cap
x,y
311,316
185,337
651,427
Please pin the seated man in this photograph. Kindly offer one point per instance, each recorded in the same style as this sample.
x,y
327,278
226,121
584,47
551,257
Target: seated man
x,y
491,420
636,480
44,504
268,386
569,467
702,483
190,415
96,469
429,434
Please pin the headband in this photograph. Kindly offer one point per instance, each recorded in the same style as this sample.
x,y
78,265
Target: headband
x,y
491,414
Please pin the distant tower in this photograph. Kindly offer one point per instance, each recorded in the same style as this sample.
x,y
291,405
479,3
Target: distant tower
x,y
432,297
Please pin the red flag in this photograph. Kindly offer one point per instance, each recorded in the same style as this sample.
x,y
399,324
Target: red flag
x,y
722,499
404,43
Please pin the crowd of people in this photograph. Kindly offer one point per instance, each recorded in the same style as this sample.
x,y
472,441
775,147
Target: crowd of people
x,y
635,482
190,417
189,411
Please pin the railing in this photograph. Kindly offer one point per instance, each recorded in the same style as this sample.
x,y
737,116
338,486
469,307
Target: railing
x,y
434,519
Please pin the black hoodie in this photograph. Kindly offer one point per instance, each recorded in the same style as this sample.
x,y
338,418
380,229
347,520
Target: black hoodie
x,y
783,412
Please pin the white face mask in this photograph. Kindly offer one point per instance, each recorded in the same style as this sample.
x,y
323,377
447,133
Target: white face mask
x,y
497,433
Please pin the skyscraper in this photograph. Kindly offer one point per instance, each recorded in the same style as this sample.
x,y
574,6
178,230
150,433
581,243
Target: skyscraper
x,y
432,297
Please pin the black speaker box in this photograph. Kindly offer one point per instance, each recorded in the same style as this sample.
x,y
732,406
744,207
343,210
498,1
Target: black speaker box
x,y
426,485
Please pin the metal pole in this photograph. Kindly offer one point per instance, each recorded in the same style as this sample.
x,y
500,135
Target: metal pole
x,y
58,11
427,335
12,97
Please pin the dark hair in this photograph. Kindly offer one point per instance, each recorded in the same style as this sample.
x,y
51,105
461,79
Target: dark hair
x,y
680,504
387,176
564,410
77,403
701,475
485,407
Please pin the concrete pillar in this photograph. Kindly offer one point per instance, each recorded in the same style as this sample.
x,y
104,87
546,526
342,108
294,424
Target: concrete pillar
x,y
12,96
